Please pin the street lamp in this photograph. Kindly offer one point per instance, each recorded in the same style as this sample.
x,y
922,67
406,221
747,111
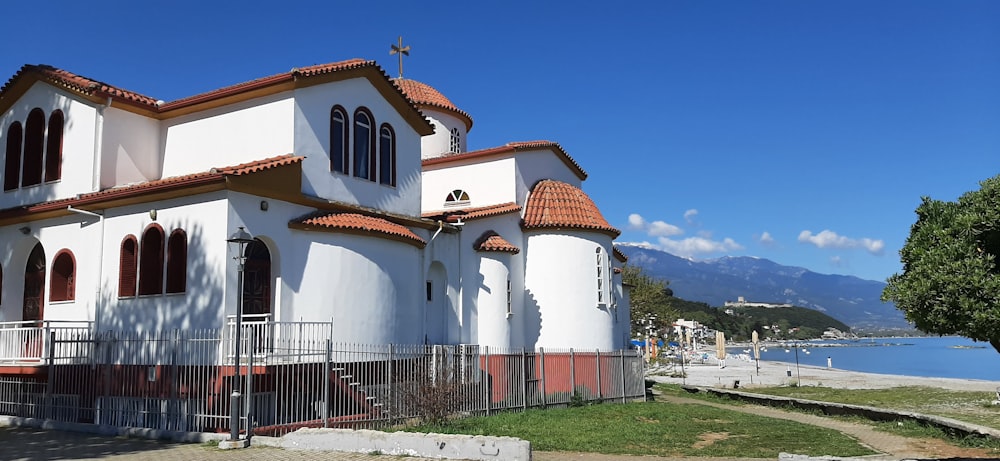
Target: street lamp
x,y
240,239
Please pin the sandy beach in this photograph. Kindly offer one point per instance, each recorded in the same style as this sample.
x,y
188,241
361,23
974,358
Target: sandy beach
x,y
710,374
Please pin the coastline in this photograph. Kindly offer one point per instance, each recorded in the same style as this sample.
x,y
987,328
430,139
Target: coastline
x,y
771,373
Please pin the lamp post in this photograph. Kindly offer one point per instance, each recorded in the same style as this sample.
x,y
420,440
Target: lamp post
x,y
241,238
798,375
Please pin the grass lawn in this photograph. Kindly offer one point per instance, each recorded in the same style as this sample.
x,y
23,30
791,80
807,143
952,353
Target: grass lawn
x,y
659,429
972,407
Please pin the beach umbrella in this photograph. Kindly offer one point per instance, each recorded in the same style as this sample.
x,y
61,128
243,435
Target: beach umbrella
x,y
720,345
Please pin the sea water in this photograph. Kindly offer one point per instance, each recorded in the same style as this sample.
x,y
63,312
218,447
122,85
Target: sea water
x,y
942,357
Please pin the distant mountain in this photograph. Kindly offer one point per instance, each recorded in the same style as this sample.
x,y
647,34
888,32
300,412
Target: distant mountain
x,y
849,299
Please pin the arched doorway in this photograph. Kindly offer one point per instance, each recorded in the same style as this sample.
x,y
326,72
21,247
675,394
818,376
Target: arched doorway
x,y
436,311
34,285
256,281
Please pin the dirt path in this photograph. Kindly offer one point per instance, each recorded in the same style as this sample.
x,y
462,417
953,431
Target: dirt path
x,y
892,447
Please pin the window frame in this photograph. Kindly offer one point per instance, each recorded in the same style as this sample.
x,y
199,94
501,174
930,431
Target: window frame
x,y
150,280
128,287
387,160
176,272
457,197
12,159
340,153
364,152
603,280
33,148
62,277
54,146
455,141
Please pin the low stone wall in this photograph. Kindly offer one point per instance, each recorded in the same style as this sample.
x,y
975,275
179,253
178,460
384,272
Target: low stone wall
x,y
444,446
952,426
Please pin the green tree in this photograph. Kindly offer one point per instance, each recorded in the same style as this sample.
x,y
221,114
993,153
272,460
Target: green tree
x,y
950,283
649,297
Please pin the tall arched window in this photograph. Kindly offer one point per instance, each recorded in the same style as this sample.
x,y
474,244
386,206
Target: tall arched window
x,y
128,266
34,285
151,261
603,278
456,141
364,145
12,161
34,140
387,155
53,147
339,157
177,262
62,285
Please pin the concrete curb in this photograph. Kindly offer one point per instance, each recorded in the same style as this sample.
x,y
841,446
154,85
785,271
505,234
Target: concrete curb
x,y
955,427
113,431
447,446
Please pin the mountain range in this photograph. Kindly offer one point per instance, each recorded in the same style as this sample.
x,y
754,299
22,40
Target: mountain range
x,y
849,299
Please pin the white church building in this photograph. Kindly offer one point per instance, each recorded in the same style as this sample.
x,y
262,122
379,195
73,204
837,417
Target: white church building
x,y
366,209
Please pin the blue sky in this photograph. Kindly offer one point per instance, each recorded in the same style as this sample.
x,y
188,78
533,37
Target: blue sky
x,y
804,132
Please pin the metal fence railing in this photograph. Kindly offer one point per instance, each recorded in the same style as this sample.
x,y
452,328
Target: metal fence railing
x,y
182,380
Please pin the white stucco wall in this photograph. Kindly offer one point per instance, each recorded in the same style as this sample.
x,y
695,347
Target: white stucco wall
x,y
491,301
130,148
486,324
534,166
369,286
312,139
561,283
229,135
78,144
443,319
488,182
440,142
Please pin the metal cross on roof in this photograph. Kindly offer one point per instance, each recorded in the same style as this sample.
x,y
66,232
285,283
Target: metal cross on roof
x,y
401,51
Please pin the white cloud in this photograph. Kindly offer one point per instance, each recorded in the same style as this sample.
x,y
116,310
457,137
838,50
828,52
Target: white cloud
x,y
830,239
766,238
836,261
655,228
694,246
689,215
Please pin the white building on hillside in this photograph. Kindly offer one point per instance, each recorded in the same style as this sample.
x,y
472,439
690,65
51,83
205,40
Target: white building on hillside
x,y
366,209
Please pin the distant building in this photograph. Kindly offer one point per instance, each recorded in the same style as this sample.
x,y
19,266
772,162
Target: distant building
x,y
741,302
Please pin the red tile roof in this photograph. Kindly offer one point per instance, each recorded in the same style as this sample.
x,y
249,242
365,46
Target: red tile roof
x,y
358,224
492,241
555,204
468,214
215,175
79,83
512,148
619,255
617,270
87,86
424,95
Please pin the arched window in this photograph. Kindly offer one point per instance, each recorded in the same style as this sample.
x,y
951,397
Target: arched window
x,y
62,285
364,145
387,155
339,157
457,197
34,139
12,161
53,147
128,266
34,285
177,262
602,277
456,141
151,261
257,280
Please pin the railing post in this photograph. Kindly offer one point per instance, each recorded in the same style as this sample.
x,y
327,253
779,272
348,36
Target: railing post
x,y
621,353
572,374
524,378
48,403
541,375
174,424
326,384
597,366
248,401
486,378
391,395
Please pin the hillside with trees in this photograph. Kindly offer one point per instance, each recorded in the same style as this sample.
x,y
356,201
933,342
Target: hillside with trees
x,y
792,322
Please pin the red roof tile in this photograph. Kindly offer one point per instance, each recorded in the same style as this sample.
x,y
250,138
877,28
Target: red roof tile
x,y
69,80
619,255
555,204
165,184
468,214
359,224
492,241
425,95
617,270
512,148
